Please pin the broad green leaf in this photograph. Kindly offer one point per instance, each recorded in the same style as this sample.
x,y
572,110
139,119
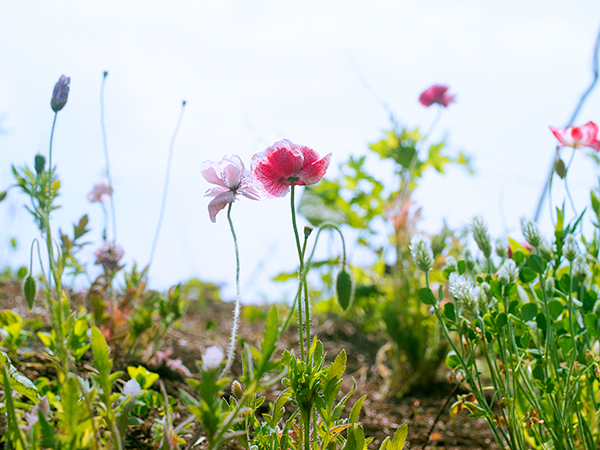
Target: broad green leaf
x,y
427,296
528,311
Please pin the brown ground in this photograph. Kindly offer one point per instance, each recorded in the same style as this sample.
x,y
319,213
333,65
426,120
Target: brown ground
x,y
380,415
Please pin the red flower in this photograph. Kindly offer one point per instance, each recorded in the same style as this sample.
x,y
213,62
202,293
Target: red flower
x,y
285,162
438,93
578,137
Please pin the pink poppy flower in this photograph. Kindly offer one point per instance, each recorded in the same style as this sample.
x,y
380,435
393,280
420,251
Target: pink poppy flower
x,y
101,192
284,162
438,93
578,137
232,178
109,256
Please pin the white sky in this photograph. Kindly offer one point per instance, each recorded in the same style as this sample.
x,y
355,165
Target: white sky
x,y
255,72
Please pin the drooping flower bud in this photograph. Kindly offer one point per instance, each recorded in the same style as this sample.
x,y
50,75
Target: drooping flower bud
x,y
481,235
345,288
531,232
571,249
420,248
39,162
60,94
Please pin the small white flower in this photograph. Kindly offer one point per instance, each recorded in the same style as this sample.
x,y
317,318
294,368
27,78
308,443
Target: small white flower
x,y
212,357
420,247
132,388
461,288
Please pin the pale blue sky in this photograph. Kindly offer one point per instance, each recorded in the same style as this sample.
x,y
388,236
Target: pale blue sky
x,y
255,72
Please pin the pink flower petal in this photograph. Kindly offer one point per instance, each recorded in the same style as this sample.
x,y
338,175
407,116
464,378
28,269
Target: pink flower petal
x,y
560,134
218,203
312,173
211,171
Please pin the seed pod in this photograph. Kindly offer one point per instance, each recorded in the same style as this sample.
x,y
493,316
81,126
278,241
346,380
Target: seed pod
x,y
29,288
345,288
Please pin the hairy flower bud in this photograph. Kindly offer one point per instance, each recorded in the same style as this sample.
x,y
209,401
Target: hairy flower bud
x,y
508,273
501,248
531,232
60,94
581,269
420,248
570,249
451,264
237,390
481,235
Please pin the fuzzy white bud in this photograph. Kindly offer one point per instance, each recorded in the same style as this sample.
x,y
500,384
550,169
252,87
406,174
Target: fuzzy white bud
x,y
420,248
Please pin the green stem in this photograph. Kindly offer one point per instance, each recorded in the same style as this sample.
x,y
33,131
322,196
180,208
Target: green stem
x,y
236,312
106,160
300,272
166,186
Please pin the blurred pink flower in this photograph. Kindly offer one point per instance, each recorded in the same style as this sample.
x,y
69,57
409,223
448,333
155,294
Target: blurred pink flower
x,y
232,178
438,93
60,94
177,366
578,137
101,192
109,256
284,162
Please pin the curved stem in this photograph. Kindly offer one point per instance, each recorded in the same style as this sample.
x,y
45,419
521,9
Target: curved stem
x,y
236,311
166,186
106,160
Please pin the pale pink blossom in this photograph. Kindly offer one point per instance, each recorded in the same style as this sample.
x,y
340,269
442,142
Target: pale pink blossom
x,y
285,162
231,178
578,137
438,93
109,256
101,192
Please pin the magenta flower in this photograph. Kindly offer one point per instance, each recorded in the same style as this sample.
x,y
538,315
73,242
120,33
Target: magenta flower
x,y
101,192
284,162
438,93
232,178
60,94
578,137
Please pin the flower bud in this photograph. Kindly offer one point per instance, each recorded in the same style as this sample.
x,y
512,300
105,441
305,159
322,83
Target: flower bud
x,y
469,261
501,248
60,94
345,288
29,289
508,273
550,288
581,269
39,162
451,264
237,390
571,249
531,232
420,248
481,235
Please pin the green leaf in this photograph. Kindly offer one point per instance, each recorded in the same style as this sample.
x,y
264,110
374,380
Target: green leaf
x,y
461,266
528,311
427,296
536,264
449,312
526,275
555,307
452,360
501,320
101,353
354,413
316,211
